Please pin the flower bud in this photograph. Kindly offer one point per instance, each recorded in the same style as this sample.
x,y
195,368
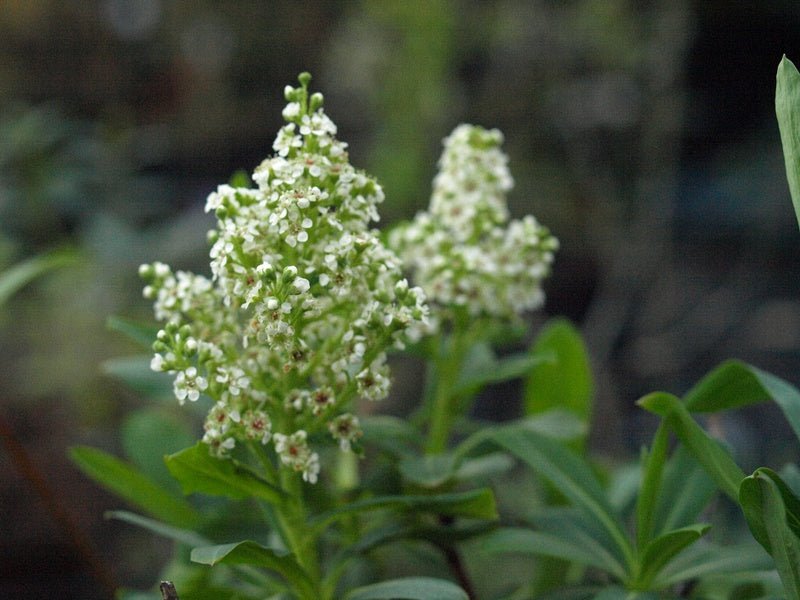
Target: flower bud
x,y
289,273
316,102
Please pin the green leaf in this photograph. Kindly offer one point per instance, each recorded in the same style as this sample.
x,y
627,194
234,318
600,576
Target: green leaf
x,y
663,549
392,434
148,435
787,109
482,367
252,553
708,452
618,593
572,477
573,544
735,384
482,467
440,535
748,585
184,536
653,462
136,373
476,504
556,424
143,334
430,470
685,491
15,278
197,471
790,501
700,561
409,588
790,474
132,485
772,522
580,592
566,382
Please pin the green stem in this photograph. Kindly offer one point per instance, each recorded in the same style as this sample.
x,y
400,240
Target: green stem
x,y
299,537
447,365
289,519
439,432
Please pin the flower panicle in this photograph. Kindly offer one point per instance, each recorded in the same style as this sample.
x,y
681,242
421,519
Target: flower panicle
x,y
464,251
301,305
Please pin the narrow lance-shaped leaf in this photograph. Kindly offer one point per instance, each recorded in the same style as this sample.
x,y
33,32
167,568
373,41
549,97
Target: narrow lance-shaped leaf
x,y
136,373
572,477
436,470
618,593
439,535
148,434
573,545
700,561
143,335
771,513
715,459
132,485
19,275
481,367
252,553
409,588
660,551
787,109
735,384
177,534
430,470
476,504
197,471
686,490
652,469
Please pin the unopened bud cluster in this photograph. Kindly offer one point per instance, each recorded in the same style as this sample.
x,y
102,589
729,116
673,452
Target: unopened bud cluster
x,y
302,304
463,251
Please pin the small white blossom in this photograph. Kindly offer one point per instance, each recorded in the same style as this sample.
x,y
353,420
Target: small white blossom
x,y
294,453
188,385
302,303
257,426
345,429
301,285
463,251
157,363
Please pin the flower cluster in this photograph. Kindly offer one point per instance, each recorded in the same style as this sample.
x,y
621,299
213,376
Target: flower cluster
x,y
302,304
463,251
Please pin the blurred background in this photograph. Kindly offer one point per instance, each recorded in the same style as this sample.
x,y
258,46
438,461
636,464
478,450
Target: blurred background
x,y
641,132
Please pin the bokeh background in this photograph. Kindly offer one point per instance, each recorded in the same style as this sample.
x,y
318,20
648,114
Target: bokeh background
x,y
641,132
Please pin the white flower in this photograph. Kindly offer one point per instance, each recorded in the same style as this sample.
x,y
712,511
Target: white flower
x,y
463,251
157,363
291,111
345,429
188,385
257,426
303,300
294,453
302,285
